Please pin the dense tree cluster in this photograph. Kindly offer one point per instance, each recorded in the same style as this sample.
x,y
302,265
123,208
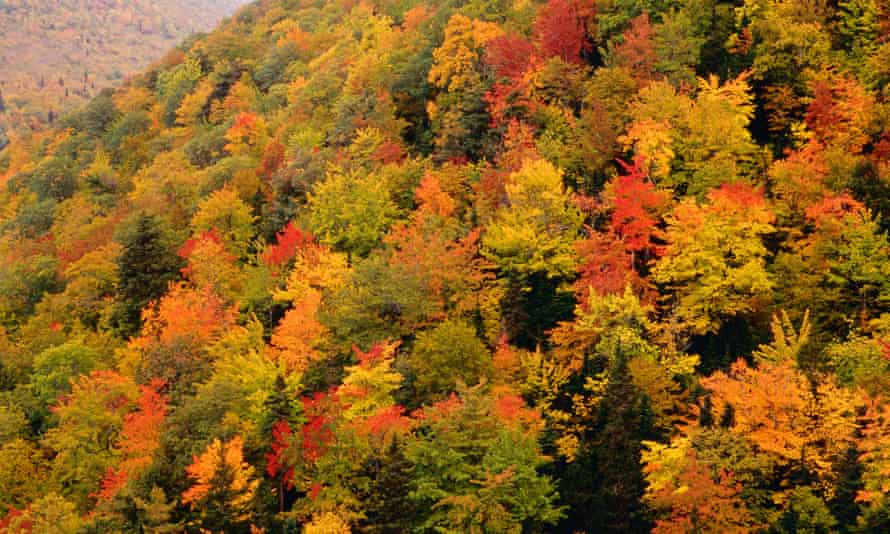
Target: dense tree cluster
x,y
460,266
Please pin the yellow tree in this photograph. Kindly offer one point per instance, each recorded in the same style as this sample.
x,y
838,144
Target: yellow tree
x,y
714,266
223,485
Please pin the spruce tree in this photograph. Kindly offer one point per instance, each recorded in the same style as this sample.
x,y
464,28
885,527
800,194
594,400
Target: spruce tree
x,y
145,268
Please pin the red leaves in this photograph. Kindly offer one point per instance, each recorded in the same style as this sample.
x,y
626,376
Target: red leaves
x,y
636,205
276,464
316,433
833,209
509,55
637,50
141,433
288,242
113,481
605,266
389,152
386,421
560,31
140,438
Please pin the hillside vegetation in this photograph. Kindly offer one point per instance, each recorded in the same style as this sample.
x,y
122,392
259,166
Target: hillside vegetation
x,y
56,54
460,266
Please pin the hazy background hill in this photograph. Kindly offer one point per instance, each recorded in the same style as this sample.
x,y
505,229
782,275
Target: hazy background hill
x,y
54,54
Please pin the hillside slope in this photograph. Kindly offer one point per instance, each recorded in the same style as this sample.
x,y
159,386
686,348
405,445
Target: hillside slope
x,y
460,266
56,54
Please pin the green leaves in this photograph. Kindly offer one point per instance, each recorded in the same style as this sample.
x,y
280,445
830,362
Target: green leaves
x,y
535,231
351,211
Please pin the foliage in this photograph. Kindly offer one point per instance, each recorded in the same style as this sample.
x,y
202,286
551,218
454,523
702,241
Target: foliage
x,y
471,266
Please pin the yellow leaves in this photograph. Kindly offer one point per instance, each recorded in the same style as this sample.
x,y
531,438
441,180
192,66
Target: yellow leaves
x,y
327,523
298,337
601,315
663,463
456,61
875,452
225,212
132,98
316,268
715,258
368,386
193,106
221,463
787,340
651,141
536,232
247,136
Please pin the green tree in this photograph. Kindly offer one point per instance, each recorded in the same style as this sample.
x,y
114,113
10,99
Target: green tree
x,y
475,468
351,212
446,356
146,266
534,233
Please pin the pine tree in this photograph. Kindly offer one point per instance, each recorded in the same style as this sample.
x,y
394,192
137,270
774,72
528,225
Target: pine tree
x,y
385,498
146,266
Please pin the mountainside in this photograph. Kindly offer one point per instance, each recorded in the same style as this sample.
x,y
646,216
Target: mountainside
x,y
460,266
56,54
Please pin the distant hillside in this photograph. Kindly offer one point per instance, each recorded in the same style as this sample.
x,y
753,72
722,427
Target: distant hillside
x,y
55,54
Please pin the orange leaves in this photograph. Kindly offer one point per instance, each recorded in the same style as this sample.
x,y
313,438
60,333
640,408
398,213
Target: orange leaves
x,y
769,404
248,131
221,468
777,408
702,499
141,432
198,316
139,439
832,210
839,113
296,337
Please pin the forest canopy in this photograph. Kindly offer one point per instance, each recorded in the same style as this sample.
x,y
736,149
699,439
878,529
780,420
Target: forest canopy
x,y
460,266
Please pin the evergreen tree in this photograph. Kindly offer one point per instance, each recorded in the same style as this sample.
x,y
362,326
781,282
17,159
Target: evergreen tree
x,y
145,268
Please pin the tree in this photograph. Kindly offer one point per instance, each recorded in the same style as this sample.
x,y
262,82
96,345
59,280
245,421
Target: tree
x,y
809,426
446,356
636,51
178,329
140,438
560,31
475,467
224,212
23,473
714,264
223,486
534,233
701,500
350,212
145,267
86,439
56,368
458,114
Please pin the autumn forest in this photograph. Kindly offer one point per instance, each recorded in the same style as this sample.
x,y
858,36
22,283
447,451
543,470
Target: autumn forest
x,y
460,266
